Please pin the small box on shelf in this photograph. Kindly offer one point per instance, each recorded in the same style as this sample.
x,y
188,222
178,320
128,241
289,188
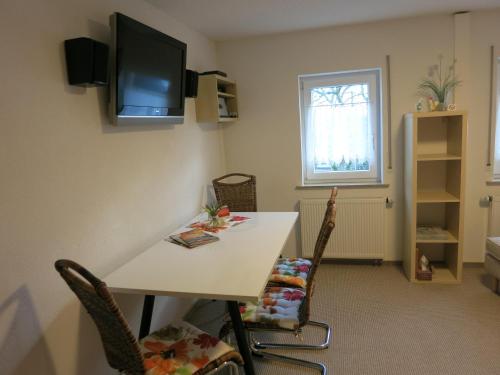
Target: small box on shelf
x,y
422,274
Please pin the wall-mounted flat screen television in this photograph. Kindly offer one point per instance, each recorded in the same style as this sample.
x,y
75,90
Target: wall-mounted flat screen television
x,y
148,73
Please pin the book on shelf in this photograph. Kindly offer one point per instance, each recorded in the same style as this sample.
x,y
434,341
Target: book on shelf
x,y
193,238
431,233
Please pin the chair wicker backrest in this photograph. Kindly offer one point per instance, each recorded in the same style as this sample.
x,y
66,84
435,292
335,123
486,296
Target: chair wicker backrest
x,y
120,345
237,196
323,237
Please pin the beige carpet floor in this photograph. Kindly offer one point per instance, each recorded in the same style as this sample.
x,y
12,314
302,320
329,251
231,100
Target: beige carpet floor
x,y
382,324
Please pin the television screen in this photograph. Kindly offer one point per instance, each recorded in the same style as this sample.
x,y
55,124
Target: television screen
x,y
149,71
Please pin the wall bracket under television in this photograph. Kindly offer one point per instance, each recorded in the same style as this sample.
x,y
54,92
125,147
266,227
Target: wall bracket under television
x,y
148,73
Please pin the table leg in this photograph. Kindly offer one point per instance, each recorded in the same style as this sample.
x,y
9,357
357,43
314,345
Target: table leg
x,y
241,336
147,315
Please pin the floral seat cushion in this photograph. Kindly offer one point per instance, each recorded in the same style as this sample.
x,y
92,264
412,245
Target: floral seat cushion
x,y
291,271
180,349
278,307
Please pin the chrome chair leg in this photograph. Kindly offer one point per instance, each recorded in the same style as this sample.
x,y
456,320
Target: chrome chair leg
x,y
296,361
225,333
233,368
324,345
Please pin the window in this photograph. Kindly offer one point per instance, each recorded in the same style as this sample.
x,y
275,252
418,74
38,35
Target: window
x,y
340,125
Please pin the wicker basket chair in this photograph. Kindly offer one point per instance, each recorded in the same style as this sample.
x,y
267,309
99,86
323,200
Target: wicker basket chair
x,y
237,196
123,351
299,272
300,315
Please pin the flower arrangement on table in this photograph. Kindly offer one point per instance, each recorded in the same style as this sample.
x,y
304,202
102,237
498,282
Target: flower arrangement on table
x,y
216,214
219,218
439,85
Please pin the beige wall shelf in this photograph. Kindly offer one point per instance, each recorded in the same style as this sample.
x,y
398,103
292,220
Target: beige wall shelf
x,y
210,88
434,191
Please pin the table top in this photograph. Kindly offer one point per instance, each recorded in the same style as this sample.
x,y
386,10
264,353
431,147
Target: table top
x,y
235,268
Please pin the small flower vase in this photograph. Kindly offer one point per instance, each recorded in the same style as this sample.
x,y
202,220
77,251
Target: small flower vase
x,y
441,107
436,105
214,221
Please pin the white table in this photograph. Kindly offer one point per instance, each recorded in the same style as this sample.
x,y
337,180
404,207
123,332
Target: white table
x,y
236,268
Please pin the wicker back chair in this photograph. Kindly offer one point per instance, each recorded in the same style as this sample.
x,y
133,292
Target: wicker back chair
x,y
325,231
238,196
303,316
120,345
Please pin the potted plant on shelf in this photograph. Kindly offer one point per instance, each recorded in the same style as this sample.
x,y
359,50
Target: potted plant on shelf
x,y
438,86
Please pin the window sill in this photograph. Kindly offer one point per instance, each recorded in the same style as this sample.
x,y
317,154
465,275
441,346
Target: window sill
x,y
347,185
493,182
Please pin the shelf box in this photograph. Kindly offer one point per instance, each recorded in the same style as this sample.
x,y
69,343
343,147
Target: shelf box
x,y
434,191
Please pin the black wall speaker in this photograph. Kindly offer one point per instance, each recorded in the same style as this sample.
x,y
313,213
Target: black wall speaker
x,y
191,84
87,62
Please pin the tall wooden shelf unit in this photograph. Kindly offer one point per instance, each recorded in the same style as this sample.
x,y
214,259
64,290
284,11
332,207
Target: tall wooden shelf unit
x,y
211,87
435,144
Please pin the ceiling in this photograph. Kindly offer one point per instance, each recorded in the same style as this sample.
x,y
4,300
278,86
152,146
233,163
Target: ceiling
x,y
231,19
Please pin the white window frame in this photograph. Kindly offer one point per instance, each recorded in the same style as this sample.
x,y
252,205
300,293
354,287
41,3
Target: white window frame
x,y
306,82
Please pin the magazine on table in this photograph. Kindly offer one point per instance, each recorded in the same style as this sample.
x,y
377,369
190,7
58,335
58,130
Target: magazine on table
x,y
193,238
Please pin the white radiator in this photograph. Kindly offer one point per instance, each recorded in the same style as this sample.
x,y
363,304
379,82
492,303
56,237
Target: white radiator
x,y
360,228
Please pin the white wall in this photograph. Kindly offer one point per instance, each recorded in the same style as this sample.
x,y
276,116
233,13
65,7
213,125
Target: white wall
x,y
74,187
266,141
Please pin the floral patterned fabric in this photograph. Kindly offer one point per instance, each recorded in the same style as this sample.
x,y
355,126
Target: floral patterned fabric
x,y
291,271
278,307
180,349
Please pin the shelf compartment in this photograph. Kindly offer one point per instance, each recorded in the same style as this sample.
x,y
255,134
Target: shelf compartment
x,y
223,80
444,260
225,95
227,119
441,275
439,135
436,197
450,239
437,157
440,176
442,215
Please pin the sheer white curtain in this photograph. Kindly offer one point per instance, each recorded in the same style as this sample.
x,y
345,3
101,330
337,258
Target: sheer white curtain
x,y
341,136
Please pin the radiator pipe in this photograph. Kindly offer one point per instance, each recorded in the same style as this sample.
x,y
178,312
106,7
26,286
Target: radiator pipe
x,y
388,202
486,201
